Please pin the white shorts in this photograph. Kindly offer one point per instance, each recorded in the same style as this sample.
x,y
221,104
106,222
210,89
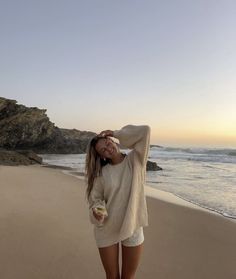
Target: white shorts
x,y
134,240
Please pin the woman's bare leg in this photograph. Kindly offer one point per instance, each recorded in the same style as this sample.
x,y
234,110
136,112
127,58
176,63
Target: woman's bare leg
x,y
110,260
130,260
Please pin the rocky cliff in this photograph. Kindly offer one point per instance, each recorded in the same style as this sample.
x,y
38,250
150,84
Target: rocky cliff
x,y
26,128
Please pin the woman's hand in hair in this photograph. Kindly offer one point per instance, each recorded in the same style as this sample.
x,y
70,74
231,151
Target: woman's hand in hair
x,y
106,133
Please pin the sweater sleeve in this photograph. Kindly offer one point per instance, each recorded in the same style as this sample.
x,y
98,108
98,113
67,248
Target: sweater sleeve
x,y
137,138
96,198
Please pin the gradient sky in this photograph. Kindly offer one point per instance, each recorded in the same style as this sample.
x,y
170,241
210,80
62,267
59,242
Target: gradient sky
x,y
97,65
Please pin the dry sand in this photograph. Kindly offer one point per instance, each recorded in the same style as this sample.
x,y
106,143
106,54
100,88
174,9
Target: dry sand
x,y
45,232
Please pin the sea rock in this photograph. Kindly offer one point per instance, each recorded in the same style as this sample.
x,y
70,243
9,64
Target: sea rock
x,y
152,166
32,156
13,158
155,145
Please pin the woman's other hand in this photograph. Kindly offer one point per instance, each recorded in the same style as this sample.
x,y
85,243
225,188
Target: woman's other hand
x,y
106,133
99,217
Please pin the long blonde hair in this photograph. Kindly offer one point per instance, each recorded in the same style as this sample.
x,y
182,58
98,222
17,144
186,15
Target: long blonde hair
x,y
93,164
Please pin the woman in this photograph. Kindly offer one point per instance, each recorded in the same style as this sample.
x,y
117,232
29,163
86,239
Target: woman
x,y
115,194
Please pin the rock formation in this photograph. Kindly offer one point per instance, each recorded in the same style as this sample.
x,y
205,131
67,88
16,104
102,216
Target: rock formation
x,y
30,128
152,166
14,158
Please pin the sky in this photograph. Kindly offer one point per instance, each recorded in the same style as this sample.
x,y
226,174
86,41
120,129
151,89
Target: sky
x,y
97,65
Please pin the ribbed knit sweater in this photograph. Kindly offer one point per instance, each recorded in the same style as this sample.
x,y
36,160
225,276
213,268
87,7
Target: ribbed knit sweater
x,y
121,189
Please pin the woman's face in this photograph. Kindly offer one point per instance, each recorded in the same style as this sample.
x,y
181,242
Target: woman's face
x,y
106,148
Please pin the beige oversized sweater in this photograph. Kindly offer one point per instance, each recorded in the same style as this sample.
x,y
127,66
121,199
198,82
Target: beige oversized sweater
x,y
121,189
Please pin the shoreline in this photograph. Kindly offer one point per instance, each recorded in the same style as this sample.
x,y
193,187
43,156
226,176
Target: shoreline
x,y
184,202
153,193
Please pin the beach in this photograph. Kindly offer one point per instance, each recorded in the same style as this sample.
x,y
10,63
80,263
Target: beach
x,y
45,232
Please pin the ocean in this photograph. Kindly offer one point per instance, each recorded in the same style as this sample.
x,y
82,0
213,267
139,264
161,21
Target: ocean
x,y
203,176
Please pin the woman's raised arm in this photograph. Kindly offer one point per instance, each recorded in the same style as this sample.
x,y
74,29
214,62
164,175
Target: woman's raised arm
x,y
137,138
